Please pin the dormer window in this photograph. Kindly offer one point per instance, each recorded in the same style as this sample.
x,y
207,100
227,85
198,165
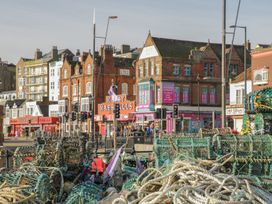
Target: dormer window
x,y
260,76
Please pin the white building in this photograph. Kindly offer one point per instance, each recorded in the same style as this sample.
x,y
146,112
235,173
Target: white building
x,y
236,110
54,80
7,95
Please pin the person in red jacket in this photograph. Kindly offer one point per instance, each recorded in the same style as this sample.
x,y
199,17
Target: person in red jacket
x,y
98,165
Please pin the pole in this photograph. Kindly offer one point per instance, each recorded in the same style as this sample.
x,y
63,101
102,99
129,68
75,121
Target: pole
x,y
93,88
78,108
245,68
223,65
198,101
161,121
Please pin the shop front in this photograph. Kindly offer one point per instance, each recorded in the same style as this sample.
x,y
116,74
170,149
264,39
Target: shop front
x,y
235,115
26,126
191,121
105,115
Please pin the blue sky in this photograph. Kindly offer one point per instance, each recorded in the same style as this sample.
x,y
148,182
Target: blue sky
x,y
29,24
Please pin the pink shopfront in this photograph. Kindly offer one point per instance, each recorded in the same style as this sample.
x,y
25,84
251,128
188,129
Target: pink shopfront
x,y
170,93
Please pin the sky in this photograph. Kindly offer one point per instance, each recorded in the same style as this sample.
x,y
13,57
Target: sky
x,y
29,24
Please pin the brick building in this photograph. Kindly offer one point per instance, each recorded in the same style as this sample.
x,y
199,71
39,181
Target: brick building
x,y
76,82
185,73
32,74
261,67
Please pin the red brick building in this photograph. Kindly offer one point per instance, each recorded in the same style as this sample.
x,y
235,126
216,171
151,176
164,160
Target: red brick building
x,y
76,81
186,73
261,68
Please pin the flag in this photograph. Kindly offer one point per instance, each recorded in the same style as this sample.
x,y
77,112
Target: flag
x,y
112,94
139,166
112,166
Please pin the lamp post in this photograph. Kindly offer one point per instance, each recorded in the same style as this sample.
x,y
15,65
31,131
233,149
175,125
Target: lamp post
x,y
198,99
93,87
245,63
223,65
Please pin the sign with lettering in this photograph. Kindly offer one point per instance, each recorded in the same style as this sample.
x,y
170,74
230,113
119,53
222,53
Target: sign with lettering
x,y
235,110
126,106
168,92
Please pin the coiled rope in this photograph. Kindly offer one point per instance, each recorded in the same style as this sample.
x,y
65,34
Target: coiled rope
x,y
189,182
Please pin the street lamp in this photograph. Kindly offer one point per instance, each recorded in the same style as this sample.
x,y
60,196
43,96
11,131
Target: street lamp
x,y
93,87
245,62
198,98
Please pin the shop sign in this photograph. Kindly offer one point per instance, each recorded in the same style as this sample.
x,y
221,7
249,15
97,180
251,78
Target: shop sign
x,y
125,106
235,111
168,92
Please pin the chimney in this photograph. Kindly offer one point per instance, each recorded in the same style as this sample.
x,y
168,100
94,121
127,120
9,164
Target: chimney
x,y
77,52
248,45
125,49
54,53
38,54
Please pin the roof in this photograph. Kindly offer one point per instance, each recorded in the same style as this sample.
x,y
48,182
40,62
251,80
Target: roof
x,y
18,102
48,56
240,77
122,62
182,48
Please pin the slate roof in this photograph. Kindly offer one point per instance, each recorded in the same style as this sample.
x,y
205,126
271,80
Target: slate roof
x,y
18,102
173,48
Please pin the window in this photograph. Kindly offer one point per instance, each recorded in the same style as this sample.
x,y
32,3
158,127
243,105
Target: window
x,y
141,71
52,85
176,69
85,104
65,91
211,70
21,81
238,96
260,76
185,95
233,70
14,113
158,94
89,88
134,89
65,75
187,71
212,95
152,68
204,95
89,69
125,88
146,68
52,73
74,90
208,70
157,69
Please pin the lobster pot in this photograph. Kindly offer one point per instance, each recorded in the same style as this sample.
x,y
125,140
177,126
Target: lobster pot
x,y
252,155
263,123
166,149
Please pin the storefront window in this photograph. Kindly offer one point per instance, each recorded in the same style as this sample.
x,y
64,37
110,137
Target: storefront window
x,y
204,95
212,95
185,95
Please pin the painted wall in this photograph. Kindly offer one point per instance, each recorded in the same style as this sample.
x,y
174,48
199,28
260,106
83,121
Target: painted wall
x,y
54,80
238,86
